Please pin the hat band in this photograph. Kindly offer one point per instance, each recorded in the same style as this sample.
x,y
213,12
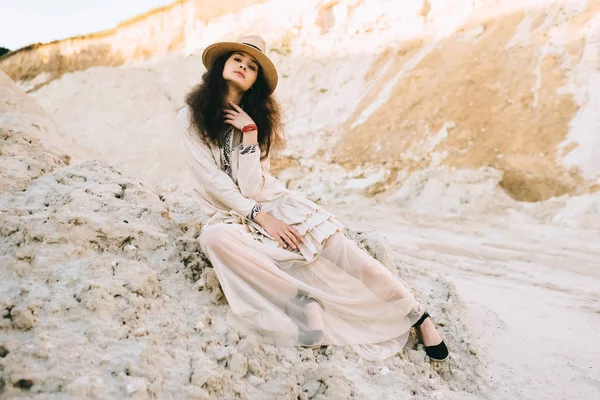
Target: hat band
x,y
251,45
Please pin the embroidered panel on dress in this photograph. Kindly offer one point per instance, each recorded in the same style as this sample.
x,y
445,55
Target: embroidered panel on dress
x,y
248,149
226,152
226,159
255,210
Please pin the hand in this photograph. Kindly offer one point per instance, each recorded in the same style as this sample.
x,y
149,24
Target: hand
x,y
279,230
236,117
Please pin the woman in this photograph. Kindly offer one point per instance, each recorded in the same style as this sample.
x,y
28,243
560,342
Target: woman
x,y
290,275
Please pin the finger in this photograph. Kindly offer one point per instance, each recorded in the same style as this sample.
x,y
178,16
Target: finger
x,y
281,242
291,240
235,106
292,236
297,234
288,239
229,112
294,239
277,236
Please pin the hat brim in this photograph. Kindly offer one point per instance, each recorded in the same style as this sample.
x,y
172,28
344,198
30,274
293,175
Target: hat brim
x,y
213,51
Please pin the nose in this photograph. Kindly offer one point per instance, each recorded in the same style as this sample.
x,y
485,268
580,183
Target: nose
x,y
243,66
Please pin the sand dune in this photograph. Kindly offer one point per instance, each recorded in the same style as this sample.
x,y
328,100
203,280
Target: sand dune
x,y
462,135
105,294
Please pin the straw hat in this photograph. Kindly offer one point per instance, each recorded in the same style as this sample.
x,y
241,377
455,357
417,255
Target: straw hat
x,y
253,45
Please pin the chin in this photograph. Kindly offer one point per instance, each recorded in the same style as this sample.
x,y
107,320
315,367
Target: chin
x,y
238,82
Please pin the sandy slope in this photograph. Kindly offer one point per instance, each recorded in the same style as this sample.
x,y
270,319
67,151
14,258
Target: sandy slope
x,y
106,295
464,105
531,292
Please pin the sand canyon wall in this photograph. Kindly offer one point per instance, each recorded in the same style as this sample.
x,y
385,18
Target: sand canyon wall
x,y
384,89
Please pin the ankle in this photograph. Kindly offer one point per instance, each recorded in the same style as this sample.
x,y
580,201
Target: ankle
x,y
430,335
314,316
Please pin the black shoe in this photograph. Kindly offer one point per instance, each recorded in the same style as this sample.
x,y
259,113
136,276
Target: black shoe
x,y
307,338
438,352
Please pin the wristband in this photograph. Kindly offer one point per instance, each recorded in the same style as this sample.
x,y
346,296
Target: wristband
x,y
248,128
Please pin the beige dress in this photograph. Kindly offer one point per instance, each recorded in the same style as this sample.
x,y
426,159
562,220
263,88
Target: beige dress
x,y
364,305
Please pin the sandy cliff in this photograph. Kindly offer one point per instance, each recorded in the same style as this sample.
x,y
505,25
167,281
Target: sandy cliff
x,y
153,34
382,89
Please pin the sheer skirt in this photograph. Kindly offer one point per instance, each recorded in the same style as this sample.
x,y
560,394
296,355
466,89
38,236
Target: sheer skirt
x,y
363,304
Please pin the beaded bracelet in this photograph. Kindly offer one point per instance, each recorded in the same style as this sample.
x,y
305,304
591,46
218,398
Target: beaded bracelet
x,y
248,128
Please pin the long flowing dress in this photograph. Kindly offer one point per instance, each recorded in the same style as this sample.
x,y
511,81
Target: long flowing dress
x,y
364,305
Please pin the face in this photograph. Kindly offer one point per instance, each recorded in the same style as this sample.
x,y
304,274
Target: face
x,y
241,70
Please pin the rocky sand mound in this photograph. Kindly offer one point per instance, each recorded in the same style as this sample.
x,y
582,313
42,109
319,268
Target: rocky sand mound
x,y
105,294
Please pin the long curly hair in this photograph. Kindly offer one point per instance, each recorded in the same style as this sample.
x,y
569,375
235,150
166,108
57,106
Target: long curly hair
x,y
206,102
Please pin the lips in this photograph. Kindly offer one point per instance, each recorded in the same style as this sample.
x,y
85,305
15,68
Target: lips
x,y
239,73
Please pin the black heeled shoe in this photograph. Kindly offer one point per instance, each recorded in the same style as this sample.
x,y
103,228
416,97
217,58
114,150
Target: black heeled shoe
x,y
438,352
307,338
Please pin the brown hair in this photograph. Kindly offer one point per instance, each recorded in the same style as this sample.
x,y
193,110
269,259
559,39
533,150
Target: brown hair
x,y
206,102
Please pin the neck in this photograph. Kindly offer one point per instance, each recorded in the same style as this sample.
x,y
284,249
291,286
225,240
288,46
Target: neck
x,y
234,95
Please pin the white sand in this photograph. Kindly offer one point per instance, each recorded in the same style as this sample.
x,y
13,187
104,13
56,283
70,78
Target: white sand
x,y
531,292
94,306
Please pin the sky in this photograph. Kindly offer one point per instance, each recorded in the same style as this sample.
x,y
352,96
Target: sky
x,y
24,22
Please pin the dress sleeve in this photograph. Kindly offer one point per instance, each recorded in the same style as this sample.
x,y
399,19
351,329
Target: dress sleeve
x,y
217,183
251,170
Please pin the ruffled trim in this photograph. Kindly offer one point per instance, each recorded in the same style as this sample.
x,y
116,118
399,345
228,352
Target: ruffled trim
x,y
316,236
296,209
313,222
